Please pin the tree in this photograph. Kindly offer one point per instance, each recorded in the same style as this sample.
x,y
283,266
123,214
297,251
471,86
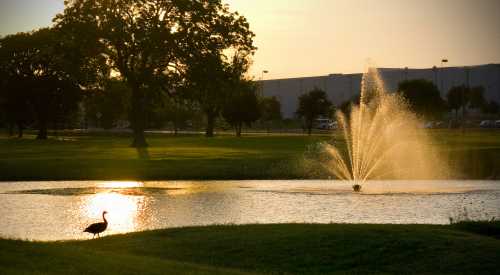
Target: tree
x,y
463,97
475,97
108,105
242,107
491,107
210,80
346,106
14,105
179,111
423,97
145,40
456,98
44,74
312,105
270,110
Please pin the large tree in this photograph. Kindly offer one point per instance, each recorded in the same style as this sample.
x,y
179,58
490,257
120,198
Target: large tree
x,y
423,97
242,106
210,80
45,74
313,105
145,41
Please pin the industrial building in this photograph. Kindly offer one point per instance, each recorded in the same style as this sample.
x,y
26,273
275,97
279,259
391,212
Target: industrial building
x,y
343,87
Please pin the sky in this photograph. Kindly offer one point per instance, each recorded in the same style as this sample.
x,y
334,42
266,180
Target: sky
x,y
318,37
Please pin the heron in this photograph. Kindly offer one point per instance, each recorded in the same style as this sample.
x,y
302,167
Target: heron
x,y
98,227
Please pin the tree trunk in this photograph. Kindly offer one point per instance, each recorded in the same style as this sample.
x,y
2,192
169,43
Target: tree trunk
x,y
42,130
309,127
238,129
209,132
20,128
11,129
138,118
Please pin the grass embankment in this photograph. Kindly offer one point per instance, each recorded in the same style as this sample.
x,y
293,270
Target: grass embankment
x,y
475,154
286,248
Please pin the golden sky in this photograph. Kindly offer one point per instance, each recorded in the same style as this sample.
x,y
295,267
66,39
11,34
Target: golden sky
x,y
318,37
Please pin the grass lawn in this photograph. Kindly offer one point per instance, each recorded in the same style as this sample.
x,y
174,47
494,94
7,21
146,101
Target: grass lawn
x,y
285,248
475,155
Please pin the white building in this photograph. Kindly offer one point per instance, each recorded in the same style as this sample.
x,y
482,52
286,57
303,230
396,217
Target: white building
x,y
343,87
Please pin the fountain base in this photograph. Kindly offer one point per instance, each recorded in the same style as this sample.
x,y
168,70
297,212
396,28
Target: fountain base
x,y
356,188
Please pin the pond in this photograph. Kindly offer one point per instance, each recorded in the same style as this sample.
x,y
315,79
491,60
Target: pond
x,y
61,210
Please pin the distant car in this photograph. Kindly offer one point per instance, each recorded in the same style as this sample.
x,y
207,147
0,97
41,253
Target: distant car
x,y
439,124
487,124
429,125
325,124
497,124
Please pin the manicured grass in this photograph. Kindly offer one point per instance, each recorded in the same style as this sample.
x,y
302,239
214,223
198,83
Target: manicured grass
x,y
167,157
475,155
285,248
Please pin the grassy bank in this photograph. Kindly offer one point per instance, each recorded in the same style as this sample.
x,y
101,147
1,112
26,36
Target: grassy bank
x,y
72,157
287,248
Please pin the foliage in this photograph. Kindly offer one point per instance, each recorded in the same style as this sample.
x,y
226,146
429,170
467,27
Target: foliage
x,y
212,77
312,105
270,110
180,112
242,106
149,42
43,75
423,97
345,107
491,107
462,96
106,107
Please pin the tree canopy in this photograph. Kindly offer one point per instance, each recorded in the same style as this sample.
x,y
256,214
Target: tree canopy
x,y
242,106
462,97
152,44
43,74
423,97
270,110
312,105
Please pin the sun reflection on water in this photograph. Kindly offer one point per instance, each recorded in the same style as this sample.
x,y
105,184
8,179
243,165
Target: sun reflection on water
x,y
120,184
125,213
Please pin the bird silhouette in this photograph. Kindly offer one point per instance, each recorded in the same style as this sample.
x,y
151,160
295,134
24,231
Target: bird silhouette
x,y
98,227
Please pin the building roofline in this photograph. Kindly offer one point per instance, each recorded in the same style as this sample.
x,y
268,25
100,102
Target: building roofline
x,y
382,69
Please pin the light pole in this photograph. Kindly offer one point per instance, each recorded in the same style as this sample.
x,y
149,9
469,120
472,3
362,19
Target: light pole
x,y
262,81
467,85
443,61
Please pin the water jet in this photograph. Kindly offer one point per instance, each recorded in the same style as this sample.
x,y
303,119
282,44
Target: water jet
x,y
383,140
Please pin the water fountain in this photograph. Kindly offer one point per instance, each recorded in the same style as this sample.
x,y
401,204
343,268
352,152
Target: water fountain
x,y
383,140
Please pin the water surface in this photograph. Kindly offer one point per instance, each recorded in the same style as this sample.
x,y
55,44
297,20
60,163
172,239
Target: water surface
x,y
61,210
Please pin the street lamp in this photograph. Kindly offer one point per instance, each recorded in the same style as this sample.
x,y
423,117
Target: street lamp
x,y
443,61
262,81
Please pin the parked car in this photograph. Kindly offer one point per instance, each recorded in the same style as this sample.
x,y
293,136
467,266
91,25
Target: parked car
x,y
325,124
487,124
497,124
429,125
434,125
